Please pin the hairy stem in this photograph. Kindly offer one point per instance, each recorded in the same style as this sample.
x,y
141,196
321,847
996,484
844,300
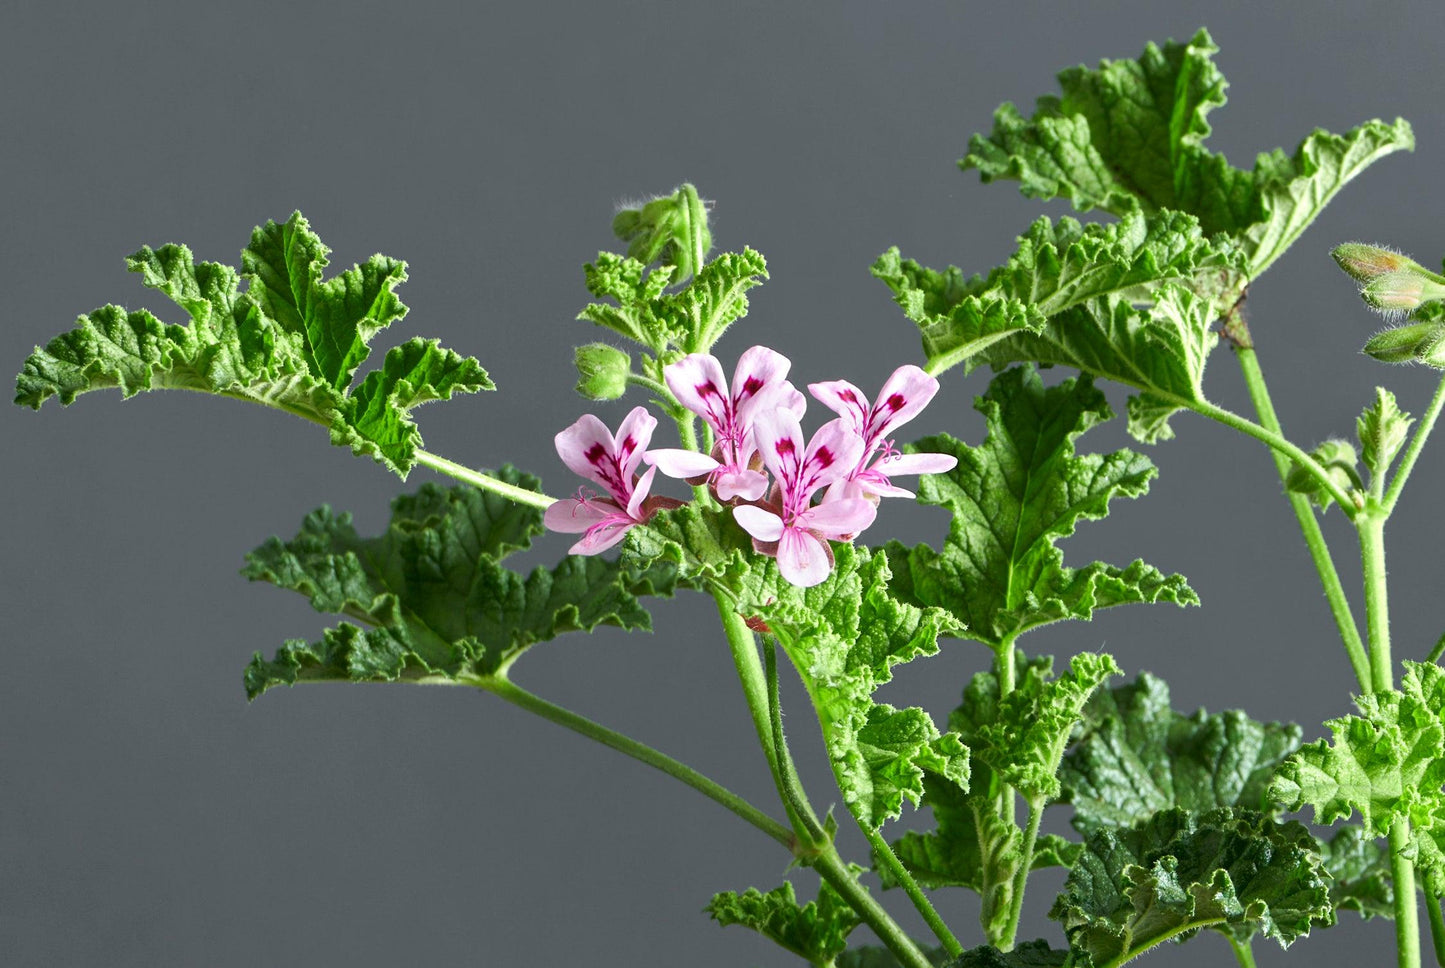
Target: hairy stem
x,y
1377,606
1243,952
512,693
817,838
1437,926
1026,861
657,389
1407,913
832,869
1412,453
477,479
884,854
1309,525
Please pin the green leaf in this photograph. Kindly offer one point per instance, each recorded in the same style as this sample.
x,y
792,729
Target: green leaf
x,y
1382,430
1387,764
1012,497
1136,756
1130,136
1056,268
817,932
844,635
871,956
1238,872
439,602
291,340
689,320
1339,460
666,230
1030,954
1359,869
1026,742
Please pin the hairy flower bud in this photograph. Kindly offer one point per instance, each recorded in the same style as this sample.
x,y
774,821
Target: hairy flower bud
x,y
1364,263
1415,343
1402,291
603,370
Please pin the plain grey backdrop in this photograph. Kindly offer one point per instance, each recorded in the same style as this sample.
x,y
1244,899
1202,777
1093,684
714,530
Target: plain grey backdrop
x,y
150,816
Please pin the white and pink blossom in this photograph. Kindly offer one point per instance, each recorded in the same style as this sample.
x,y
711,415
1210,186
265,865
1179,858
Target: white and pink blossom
x,y
759,385
591,450
903,396
793,528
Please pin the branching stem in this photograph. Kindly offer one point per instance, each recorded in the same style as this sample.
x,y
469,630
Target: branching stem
x,y
1412,453
477,479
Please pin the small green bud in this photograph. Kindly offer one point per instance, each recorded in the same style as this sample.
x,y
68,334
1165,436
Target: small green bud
x,y
1403,291
1364,263
604,370
1407,344
1339,460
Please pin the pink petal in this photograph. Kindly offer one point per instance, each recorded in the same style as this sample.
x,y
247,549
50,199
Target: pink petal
x,y
904,394
586,448
733,483
763,525
600,539
639,494
698,383
844,399
633,436
570,516
880,489
778,396
802,559
915,464
780,441
833,453
848,515
757,368
679,463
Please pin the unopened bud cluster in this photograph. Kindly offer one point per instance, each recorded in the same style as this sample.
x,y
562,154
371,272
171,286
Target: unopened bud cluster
x,y
1395,284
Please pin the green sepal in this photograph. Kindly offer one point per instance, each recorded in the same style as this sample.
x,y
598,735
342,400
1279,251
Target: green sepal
x,y
1387,764
1129,136
433,590
1237,872
1135,756
1012,498
663,230
817,931
291,340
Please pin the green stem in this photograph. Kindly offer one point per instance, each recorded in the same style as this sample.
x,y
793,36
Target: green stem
x,y
1407,912
754,682
1436,652
1031,836
1243,952
512,693
1437,926
814,834
832,869
696,220
1377,606
1309,525
477,479
884,853
658,390
1407,462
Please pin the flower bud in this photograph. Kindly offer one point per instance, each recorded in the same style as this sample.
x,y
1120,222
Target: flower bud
x,y
1402,291
1364,263
1415,343
603,370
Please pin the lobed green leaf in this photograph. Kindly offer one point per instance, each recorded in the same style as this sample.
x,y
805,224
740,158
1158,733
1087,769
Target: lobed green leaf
x,y
817,932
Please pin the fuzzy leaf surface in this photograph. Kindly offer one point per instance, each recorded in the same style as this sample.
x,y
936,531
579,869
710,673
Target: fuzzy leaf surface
x,y
432,589
1030,954
1238,872
1136,756
1129,136
1013,497
289,339
1382,430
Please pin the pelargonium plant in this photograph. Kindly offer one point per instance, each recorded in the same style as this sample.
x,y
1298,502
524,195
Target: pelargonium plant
x,y
1182,821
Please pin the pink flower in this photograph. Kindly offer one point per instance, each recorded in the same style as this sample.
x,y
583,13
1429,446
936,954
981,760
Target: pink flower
x,y
799,528
589,449
759,385
903,396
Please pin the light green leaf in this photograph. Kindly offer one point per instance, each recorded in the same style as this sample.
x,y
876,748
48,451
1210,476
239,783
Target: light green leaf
x,y
1136,756
291,340
1130,136
1359,869
1238,872
817,932
440,603
844,635
1339,460
1012,497
1056,268
1382,430
1387,764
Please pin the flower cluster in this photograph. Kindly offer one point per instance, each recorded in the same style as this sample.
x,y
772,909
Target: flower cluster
x,y
847,465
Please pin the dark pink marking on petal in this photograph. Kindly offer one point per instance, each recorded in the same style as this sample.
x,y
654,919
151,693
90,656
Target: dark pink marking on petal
x,y
824,457
894,402
785,446
848,396
750,386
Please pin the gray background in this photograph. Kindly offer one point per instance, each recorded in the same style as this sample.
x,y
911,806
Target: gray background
x,y
149,816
